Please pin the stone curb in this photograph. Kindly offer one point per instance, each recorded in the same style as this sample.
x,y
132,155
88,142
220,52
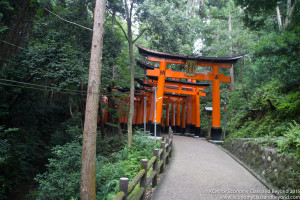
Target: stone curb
x,y
262,180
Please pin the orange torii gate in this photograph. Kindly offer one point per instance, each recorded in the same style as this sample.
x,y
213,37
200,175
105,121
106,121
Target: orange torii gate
x,y
139,119
193,121
191,61
193,89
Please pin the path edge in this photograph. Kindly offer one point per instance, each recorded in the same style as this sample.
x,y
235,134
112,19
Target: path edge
x,y
258,177
162,176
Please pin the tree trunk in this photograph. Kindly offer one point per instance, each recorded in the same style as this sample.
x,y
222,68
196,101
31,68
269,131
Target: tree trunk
x,y
88,168
289,13
242,80
112,36
81,97
278,17
131,105
120,131
231,72
15,33
101,118
130,43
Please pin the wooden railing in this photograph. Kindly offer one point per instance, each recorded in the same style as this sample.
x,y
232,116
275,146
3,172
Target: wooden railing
x,y
148,173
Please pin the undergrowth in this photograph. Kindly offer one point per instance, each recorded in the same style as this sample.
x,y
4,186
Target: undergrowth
x,y
114,160
271,115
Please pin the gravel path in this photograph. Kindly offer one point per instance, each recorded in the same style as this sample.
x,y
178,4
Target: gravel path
x,y
200,170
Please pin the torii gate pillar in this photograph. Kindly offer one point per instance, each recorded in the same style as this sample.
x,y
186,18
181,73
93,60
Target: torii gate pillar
x,y
216,130
160,96
198,128
178,127
167,117
173,117
183,117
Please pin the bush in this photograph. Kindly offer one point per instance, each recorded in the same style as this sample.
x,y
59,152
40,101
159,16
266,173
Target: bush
x,y
291,141
62,178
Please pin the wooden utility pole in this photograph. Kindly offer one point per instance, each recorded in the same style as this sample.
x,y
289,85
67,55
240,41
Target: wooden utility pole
x,y
88,169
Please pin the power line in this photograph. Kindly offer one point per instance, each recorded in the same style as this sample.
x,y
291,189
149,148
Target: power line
x,y
27,65
14,45
23,49
46,88
31,84
39,87
50,87
34,88
13,62
69,21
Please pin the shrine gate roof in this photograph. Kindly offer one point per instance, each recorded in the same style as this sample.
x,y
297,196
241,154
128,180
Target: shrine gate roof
x,y
146,52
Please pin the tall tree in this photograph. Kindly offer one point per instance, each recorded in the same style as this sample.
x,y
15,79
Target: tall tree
x,y
257,12
231,72
16,22
129,6
88,169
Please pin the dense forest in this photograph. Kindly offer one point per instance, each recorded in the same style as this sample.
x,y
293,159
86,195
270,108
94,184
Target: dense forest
x,y
45,51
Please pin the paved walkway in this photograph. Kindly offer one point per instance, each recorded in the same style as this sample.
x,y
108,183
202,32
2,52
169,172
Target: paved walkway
x,y
200,170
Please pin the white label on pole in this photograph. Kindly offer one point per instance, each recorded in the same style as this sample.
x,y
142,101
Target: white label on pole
x,y
158,99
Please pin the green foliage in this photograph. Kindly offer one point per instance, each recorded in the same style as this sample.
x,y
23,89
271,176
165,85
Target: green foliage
x,y
291,103
275,58
256,12
62,178
291,141
266,99
57,55
176,37
266,113
68,131
5,155
5,9
55,63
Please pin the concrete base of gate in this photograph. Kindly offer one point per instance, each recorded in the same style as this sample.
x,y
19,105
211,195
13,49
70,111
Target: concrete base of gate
x,y
189,129
220,142
197,131
173,128
216,133
189,134
158,129
182,131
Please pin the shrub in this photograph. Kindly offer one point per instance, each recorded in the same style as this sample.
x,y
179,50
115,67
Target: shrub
x,y
291,141
62,178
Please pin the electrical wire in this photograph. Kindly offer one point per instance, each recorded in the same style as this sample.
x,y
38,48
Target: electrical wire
x,y
13,62
57,89
43,86
14,45
69,21
47,88
34,88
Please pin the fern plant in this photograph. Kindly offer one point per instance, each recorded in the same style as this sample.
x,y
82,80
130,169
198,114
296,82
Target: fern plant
x,y
291,141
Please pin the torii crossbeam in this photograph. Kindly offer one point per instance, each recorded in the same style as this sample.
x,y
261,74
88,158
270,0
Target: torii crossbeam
x,y
162,73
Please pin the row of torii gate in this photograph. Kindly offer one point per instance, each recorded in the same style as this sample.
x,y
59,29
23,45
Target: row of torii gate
x,y
164,87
